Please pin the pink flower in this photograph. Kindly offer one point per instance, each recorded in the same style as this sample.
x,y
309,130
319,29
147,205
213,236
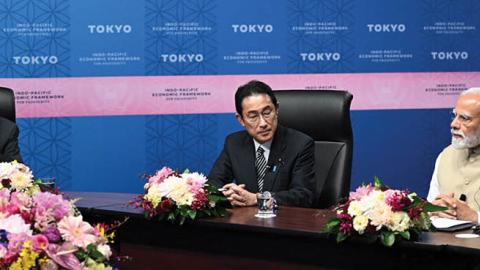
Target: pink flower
x,y
4,196
3,251
346,224
160,175
39,242
78,232
196,181
51,204
16,240
21,200
346,227
63,256
397,199
361,192
49,208
200,200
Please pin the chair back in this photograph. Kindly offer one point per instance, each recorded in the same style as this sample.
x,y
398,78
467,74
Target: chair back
x,y
7,104
324,115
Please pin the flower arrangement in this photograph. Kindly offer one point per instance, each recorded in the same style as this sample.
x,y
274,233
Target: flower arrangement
x,y
42,230
174,196
378,212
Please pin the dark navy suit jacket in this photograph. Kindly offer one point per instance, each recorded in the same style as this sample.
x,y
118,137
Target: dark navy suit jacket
x,y
290,173
9,150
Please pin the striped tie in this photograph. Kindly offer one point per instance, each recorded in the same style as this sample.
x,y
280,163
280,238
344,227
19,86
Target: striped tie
x,y
261,167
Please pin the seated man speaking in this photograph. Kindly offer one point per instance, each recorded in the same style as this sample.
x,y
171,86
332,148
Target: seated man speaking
x,y
265,156
456,178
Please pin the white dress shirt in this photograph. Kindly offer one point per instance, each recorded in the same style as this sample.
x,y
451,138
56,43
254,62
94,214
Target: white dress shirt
x,y
266,146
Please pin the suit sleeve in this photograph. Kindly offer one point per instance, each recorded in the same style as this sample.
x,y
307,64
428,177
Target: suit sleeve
x,y
302,185
221,173
11,150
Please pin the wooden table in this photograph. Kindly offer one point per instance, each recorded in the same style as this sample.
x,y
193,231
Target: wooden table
x,y
289,241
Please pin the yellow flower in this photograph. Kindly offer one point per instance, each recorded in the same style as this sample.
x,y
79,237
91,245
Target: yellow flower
x,y
399,222
27,258
360,223
153,195
354,209
20,181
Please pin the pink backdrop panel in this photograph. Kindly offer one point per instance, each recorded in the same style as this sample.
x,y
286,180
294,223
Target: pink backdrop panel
x,y
97,96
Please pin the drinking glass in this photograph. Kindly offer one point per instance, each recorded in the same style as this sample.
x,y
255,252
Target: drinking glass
x,y
265,205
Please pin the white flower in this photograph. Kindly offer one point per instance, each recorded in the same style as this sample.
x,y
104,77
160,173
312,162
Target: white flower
x,y
177,189
20,180
105,250
15,224
399,222
380,215
360,223
6,169
354,209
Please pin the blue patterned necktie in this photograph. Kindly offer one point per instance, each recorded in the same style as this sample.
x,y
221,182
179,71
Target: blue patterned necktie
x,y
260,167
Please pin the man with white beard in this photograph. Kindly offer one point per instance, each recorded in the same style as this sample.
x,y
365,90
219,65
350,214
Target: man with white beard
x,y
456,178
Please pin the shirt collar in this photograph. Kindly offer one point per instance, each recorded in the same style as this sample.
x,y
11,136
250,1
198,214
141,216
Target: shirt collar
x,y
266,145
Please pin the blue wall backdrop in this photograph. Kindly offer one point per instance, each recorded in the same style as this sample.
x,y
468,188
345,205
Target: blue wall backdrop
x,y
122,38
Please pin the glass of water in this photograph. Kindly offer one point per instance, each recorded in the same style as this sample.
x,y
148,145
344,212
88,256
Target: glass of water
x,y
265,205
49,182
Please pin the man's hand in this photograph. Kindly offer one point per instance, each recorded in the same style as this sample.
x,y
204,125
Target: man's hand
x,y
445,200
238,195
457,209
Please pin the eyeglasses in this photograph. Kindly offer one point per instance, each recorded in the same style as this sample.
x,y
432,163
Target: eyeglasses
x,y
462,118
254,117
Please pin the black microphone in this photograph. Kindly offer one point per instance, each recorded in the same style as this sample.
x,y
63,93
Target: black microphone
x,y
463,197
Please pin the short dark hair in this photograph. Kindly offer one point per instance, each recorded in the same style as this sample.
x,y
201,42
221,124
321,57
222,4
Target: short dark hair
x,y
252,88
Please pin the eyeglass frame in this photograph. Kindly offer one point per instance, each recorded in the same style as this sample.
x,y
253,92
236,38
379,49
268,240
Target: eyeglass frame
x,y
267,116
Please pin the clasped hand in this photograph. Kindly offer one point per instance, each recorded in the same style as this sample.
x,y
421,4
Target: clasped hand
x,y
456,208
238,195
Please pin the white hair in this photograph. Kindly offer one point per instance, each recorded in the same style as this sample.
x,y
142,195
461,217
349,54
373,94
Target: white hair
x,y
473,90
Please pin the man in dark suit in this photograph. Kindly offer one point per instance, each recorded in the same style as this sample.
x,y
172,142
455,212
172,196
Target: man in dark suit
x,y
9,150
288,155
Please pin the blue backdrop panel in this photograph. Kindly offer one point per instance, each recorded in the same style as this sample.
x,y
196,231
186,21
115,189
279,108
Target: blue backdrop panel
x,y
180,37
252,38
34,38
107,40
43,38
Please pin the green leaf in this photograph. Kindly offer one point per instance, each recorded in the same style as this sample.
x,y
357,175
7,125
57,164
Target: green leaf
x,y
405,235
192,214
416,201
97,256
377,182
428,207
371,238
341,237
182,220
331,225
387,238
81,255
217,198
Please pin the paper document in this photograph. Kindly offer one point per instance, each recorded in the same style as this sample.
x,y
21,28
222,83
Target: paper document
x,y
443,223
